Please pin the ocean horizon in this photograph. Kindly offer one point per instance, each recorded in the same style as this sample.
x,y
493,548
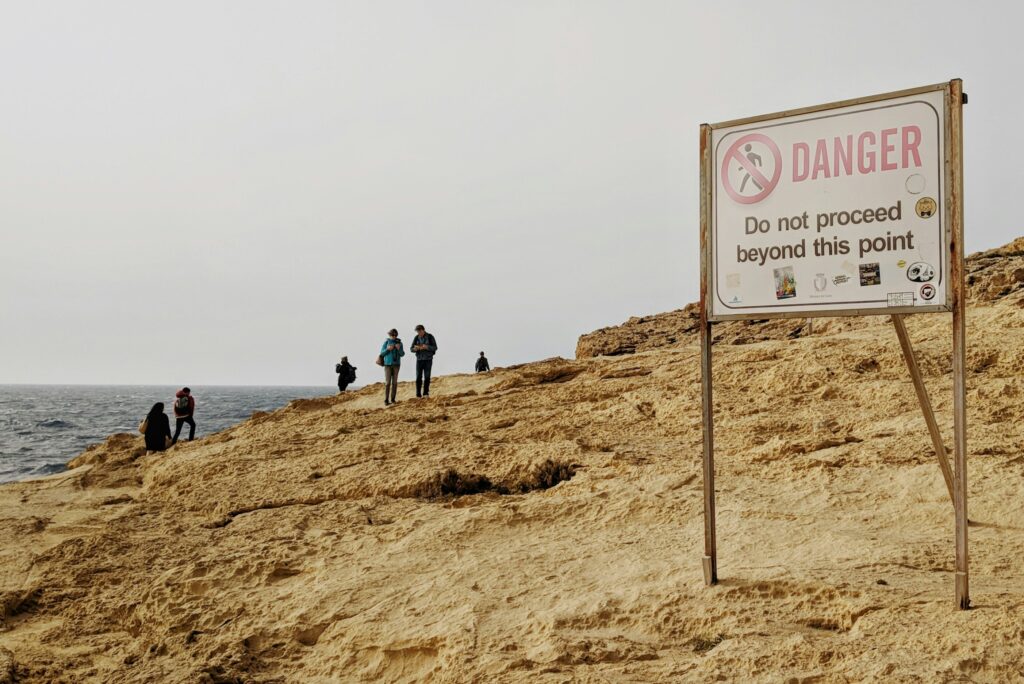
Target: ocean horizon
x,y
44,426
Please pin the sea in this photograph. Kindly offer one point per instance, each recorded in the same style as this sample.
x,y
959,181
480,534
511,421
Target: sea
x,y
42,427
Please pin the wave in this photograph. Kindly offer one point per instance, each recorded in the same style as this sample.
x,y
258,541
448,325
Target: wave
x,y
47,469
55,423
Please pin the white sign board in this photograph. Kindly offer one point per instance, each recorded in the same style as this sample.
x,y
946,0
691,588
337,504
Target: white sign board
x,y
832,210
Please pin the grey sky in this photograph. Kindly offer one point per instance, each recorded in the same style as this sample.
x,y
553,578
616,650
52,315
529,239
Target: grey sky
x,y
215,192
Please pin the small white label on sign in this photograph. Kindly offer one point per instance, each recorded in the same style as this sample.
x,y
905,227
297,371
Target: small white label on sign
x,y
901,299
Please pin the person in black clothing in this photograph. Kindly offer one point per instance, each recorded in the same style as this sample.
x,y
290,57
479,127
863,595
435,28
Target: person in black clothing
x,y
157,428
424,345
482,366
346,373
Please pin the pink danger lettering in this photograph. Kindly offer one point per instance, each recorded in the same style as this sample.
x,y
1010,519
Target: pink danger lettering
x,y
886,150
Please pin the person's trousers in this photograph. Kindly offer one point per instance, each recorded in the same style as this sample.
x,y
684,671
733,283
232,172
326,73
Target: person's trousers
x,y
342,386
423,376
191,428
391,382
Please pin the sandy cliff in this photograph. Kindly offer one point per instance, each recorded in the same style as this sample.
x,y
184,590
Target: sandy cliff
x,y
336,540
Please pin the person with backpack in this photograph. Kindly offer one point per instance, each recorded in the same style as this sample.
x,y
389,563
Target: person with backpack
x,y
346,373
425,346
184,407
157,428
482,365
391,353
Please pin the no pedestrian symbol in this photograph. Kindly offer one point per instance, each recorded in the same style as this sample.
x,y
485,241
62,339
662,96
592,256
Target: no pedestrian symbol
x,y
746,157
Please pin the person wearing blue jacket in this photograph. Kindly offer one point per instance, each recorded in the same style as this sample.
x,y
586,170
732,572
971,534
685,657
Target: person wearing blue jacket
x,y
391,353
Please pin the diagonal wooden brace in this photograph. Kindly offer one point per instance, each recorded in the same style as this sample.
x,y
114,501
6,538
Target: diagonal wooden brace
x,y
926,404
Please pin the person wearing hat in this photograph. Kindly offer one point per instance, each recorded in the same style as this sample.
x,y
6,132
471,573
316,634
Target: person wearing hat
x,y
424,345
391,353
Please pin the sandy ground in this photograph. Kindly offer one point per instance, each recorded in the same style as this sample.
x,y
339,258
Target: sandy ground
x,y
300,546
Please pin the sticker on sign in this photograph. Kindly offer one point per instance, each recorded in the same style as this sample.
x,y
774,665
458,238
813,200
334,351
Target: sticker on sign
x,y
819,211
901,298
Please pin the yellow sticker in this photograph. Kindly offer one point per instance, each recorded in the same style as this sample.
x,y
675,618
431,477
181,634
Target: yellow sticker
x,y
901,263
926,207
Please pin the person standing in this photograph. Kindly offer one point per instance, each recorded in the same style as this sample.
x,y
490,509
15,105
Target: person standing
x,y
482,365
157,428
391,353
425,346
346,373
184,407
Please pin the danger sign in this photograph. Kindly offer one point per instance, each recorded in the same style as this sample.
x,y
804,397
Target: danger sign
x,y
849,208
830,210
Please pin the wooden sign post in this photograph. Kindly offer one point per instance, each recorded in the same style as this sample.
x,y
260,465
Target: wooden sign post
x,y
845,209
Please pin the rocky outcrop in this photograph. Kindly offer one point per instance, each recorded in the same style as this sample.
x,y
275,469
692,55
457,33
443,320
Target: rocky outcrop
x,y
997,273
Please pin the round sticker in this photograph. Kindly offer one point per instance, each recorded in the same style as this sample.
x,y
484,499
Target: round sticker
x,y
915,184
927,291
926,207
920,272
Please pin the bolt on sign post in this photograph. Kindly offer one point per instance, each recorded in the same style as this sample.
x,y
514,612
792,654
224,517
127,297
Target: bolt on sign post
x,y
843,209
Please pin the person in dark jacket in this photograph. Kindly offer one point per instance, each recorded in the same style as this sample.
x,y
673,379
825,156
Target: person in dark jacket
x,y
425,346
184,407
346,373
158,428
482,365
391,353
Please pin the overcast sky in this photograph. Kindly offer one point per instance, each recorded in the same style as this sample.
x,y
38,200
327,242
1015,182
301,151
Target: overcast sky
x,y
239,192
